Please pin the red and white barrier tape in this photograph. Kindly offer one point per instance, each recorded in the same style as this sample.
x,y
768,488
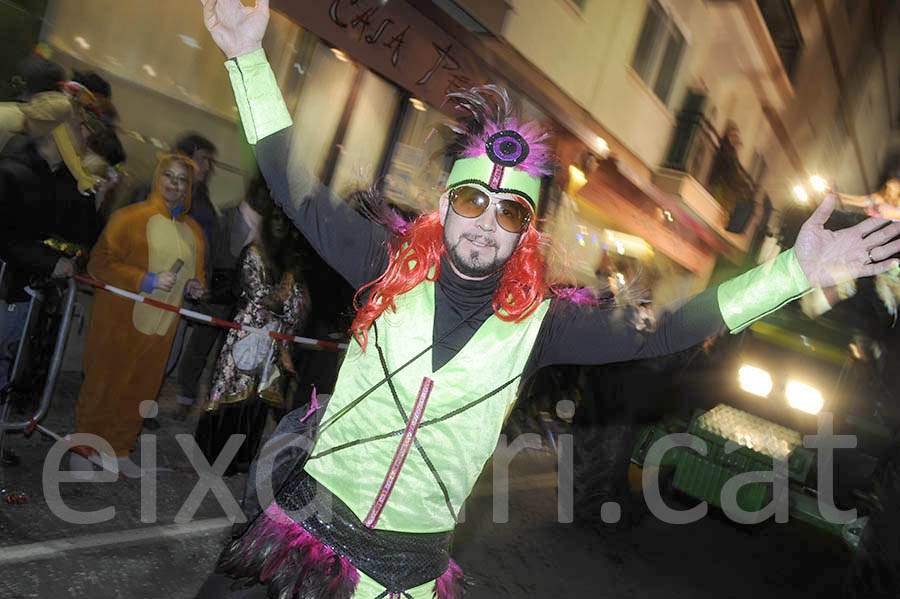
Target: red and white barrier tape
x,y
312,343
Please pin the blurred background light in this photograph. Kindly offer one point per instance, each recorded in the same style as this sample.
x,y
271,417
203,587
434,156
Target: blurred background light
x,y
339,54
189,41
818,183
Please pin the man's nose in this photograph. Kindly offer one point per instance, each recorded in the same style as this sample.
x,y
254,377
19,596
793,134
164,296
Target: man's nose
x,y
487,221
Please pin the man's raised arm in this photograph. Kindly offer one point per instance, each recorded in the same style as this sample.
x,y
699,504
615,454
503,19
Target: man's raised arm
x,y
352,245
820,258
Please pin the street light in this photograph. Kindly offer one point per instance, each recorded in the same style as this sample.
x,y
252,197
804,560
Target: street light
x,y
800,194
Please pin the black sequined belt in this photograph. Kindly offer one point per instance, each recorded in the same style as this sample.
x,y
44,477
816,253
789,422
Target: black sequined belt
x,y
395,560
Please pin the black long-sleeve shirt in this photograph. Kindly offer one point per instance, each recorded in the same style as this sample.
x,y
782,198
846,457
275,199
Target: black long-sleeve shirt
x,y
570,333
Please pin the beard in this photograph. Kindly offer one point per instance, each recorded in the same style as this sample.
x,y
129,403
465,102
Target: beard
x,y
472,263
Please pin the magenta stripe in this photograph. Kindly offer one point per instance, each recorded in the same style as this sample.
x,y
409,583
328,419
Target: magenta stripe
x,y
412,427
497,176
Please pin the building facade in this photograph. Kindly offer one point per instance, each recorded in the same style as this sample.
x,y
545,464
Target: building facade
x,y
683,125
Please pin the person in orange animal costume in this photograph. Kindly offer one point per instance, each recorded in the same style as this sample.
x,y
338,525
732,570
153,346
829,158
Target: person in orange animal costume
x,y
153,248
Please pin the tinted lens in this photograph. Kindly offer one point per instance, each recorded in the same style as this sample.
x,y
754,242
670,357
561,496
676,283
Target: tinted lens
x,y
471,202
511,215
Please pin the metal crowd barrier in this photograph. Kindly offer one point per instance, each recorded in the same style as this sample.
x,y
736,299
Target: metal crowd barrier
x,y
55,361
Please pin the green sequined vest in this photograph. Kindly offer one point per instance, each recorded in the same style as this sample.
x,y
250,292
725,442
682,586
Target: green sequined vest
x,y
457,442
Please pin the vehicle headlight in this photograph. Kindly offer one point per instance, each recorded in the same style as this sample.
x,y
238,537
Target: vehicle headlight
x,y
755,380
803,397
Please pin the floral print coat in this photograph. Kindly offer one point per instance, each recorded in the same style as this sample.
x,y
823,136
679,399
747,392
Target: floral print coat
x,y
252,364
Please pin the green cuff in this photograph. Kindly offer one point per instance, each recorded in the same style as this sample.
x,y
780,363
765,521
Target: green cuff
x,y
761,291
258,98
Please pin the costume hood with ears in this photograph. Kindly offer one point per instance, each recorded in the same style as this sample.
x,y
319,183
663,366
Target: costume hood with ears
x,y
164,161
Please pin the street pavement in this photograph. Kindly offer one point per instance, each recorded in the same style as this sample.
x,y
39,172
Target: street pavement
x,y
529,553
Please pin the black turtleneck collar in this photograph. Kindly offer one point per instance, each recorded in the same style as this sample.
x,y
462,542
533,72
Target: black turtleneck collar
x,y
456,299
464,294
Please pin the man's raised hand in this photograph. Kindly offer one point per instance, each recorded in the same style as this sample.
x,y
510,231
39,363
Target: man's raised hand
x,y
833,257
236,28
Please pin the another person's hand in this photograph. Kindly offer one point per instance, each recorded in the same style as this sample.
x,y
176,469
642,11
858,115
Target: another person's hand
x,y
64,269
833,257
194,289
645,319
106,185
164,281
284,359
236,29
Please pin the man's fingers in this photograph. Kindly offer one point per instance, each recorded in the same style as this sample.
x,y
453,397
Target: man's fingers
x,y
876,268
883,235
869,225
888,249
824,210
209,10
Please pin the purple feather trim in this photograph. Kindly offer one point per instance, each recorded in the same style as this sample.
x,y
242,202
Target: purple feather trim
x,y
371,204
580,295
293,563
318,556
451,584
490,111
538,163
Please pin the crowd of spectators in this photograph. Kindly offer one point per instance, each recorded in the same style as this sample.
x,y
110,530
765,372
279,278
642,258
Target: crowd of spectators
x,y
62,214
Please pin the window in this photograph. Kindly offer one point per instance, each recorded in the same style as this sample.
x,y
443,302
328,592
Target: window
x,y
418,169
659,51
758,168
366,136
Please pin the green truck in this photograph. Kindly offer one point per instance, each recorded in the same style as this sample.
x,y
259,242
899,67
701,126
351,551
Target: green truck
x,y
756,403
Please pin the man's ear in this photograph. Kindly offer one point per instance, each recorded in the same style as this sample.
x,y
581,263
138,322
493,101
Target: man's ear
x,y
443,206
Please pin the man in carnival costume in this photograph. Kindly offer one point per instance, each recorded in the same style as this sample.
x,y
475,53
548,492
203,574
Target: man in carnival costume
x,y
457,312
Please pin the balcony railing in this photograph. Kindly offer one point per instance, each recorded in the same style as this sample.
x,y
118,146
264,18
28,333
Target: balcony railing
x,y
710,159
781,22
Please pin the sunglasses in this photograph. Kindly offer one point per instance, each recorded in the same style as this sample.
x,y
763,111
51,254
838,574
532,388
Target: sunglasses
x,y
471,202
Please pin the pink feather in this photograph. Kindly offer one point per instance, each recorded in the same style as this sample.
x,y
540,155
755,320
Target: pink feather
x,y
450,584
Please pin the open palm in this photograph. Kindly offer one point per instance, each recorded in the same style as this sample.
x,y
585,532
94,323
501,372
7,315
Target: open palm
x,y
833,257
237,29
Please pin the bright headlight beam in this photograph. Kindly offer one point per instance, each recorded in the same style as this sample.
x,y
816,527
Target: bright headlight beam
x,y
755,380
803,397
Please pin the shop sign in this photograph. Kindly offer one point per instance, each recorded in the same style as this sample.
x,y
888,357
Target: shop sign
x,y
393,39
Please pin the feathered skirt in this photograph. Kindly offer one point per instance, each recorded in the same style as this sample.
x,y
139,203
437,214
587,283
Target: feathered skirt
x,y
310,545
